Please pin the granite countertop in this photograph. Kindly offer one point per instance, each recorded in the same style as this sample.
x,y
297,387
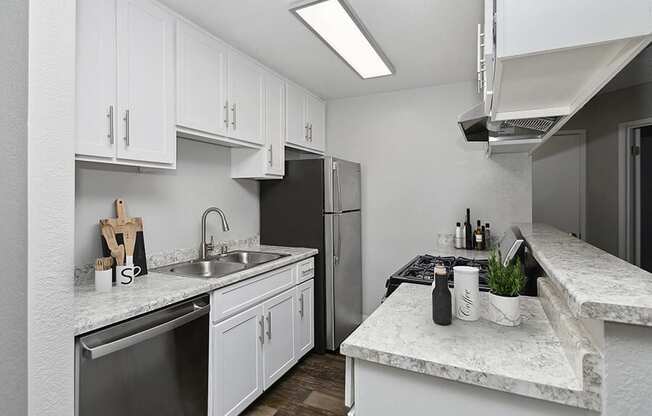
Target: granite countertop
x,y
529,360
448,250
594,283
93,310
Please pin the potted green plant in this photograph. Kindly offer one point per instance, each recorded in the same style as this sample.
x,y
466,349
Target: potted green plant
x,y
505,284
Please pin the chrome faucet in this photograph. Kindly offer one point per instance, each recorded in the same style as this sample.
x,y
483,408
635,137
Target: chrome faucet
x,y
206,247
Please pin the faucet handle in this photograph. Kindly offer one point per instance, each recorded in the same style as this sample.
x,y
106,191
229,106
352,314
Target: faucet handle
x,y
211,245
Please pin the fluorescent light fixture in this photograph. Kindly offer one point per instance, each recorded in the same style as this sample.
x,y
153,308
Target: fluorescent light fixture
x,y
335,23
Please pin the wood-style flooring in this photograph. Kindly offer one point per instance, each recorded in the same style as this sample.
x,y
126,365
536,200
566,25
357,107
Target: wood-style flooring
x,y
315,386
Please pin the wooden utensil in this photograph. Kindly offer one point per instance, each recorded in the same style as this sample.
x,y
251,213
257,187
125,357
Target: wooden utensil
x,y
129,237
119,255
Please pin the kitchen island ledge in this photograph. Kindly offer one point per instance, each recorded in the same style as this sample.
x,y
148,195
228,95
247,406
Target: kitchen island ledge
x,y
594,283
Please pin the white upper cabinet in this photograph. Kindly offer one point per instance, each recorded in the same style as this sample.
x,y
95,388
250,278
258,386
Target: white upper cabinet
x,y
146,82
305,120
201,81
564,51
96,79
125,86
245,99
316,118
267,162
296,131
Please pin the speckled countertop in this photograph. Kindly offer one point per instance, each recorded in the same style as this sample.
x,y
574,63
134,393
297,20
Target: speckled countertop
x,y
594,283
93,310
529,360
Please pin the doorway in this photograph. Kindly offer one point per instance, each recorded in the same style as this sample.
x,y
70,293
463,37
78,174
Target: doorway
x,y
635,210
559,182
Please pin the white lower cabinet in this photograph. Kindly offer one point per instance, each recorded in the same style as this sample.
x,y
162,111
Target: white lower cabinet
x,y
253,348
304,330
237,362
278,349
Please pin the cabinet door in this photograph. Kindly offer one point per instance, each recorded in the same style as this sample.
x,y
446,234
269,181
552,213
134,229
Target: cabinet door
x,y
245,99
279,336
201,81
237,357
145,82
304,319
275,125
295,103
96,78
317,123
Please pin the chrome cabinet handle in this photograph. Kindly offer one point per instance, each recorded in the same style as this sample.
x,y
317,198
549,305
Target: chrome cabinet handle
x,y
305,136
480,61
310,132
261,322
233,122
226,113
109,115
269,325
271,156
301,305
126,120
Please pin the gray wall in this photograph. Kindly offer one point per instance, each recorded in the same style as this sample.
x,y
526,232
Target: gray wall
x,y
600,118
419,175
13,208
170,202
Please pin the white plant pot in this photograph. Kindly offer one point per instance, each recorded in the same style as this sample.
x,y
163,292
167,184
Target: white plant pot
x,y
504,310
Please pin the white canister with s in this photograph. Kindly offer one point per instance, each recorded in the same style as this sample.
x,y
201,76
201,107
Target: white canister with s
x,y
467,292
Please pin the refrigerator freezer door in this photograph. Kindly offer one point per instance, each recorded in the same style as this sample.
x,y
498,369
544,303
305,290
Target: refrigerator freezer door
x,y
344,279
341,185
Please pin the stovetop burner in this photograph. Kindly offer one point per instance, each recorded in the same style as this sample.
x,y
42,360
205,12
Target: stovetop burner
x,y
422,268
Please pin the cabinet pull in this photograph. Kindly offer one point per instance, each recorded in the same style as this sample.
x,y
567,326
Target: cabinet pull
x,y
271,156
126,120
109,115
480,62
233,122
261,322
269,325
310,132
305,135
301,305
226,114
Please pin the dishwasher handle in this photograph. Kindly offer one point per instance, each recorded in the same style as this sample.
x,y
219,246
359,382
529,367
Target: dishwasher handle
x,y
94,346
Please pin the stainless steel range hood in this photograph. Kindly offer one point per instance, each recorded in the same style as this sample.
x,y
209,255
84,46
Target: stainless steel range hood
x,y
478,127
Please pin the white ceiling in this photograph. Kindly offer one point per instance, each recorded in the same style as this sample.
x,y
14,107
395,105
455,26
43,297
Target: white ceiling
x,y
428,41
639,71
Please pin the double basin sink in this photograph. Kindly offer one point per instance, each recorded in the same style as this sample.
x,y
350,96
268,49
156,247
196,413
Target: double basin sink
x,y
220,265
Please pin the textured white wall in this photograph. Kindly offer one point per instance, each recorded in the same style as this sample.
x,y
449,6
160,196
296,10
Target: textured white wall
x,y
628,363
419,175
51,193
170,202
13,208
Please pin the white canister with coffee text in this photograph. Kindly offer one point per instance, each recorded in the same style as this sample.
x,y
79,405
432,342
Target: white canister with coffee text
x,y
467,292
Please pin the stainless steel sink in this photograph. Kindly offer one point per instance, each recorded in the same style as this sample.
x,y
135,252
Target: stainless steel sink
x,y
248,257
221,265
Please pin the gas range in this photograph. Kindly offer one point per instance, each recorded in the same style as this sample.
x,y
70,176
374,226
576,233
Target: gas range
x,y
420,270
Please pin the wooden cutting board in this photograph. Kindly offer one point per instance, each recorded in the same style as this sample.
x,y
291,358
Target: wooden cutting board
x,y
128,231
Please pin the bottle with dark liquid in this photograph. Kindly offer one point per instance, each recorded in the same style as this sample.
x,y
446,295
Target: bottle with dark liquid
x,y
468,230
441,297
479,237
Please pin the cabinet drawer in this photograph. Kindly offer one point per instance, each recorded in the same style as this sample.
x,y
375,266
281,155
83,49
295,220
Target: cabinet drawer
x,y
305,270
232,299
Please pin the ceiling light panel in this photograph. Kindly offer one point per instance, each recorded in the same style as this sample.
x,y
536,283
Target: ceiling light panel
x,y
335,23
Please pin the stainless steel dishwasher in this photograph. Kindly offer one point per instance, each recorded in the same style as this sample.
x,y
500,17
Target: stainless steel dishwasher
x,y
155,364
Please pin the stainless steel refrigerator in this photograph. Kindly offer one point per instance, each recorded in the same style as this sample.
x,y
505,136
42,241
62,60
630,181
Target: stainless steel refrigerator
x,y
317,204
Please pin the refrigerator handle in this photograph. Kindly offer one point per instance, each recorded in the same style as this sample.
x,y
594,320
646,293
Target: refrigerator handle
x,y
338,183
339,237
337,240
